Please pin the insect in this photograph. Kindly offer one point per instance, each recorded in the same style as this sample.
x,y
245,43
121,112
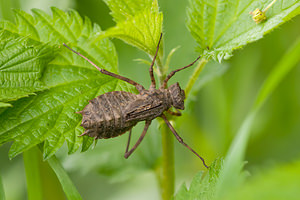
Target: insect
x,y
114,113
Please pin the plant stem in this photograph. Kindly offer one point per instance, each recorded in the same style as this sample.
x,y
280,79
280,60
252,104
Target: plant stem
x,y
167,178
167,172
32,169
195,75
5,9
2,193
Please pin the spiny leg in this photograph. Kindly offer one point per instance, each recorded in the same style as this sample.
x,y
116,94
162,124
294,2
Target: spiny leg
x,y
128,153
172,73
128,143
139,87
153,84
180,139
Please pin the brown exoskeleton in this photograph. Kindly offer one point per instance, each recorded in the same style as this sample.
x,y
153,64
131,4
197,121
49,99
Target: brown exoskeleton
x,y
114,113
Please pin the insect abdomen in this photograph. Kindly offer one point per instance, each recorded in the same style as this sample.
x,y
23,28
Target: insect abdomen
x,y
104,117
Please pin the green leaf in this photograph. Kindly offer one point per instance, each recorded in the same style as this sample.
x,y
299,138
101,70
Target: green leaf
x,y
233,164
66,183
203,184
21,65
219,27
139,23
50,116
278,183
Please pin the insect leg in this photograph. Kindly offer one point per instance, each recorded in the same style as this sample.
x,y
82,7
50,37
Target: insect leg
x,y
128,153
178,113
128,143
180,139
172,73
153,84
139,87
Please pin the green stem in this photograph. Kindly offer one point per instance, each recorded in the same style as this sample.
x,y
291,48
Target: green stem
x,y
167,181
167,178
2,194
195,75
5,9
33,179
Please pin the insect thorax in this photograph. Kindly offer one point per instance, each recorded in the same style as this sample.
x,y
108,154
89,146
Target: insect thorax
x,y
177,96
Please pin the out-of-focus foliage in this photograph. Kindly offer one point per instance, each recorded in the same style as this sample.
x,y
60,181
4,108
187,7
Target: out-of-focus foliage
x,y
281,182
2,193
220,27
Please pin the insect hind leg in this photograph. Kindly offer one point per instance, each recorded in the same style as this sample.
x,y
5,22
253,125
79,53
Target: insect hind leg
x,y
128,153
180,140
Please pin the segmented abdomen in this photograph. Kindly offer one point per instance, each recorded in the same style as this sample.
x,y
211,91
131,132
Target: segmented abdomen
x,y
103,117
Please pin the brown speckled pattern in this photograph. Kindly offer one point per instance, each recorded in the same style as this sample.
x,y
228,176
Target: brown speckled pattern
x,y
113,113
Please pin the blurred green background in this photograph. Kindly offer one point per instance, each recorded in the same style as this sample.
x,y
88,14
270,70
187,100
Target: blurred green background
x,y
208,124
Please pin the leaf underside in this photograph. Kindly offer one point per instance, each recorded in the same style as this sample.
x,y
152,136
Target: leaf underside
x,y
221,26
65,82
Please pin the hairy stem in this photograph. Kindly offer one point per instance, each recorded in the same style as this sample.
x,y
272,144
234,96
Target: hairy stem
x,y
195,75
167,177
167,180
32,169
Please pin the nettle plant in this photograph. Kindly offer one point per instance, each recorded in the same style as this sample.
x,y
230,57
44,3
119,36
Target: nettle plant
x,y
43,84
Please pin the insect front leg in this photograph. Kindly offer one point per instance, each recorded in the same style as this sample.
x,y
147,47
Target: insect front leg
x,y
128,153
172,73
180,140
138,86
178,113
153,83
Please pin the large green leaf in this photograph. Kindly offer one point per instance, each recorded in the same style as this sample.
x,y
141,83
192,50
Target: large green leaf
x,y
49,116
220,26
21,65
139,23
